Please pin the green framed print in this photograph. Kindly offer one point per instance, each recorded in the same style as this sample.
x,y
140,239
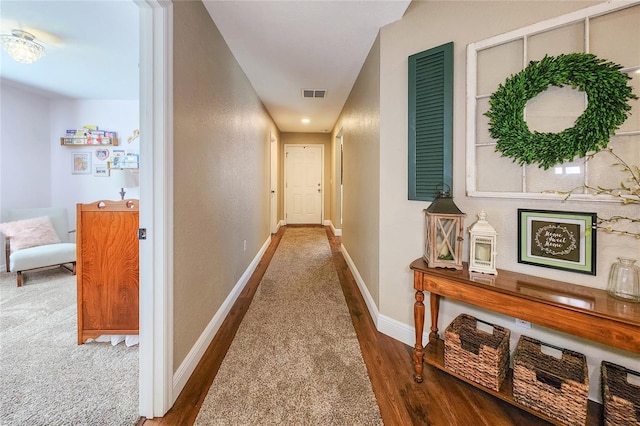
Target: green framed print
x,y
557,239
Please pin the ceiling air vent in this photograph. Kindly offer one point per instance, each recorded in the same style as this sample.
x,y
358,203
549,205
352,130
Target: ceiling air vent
x,y
314,93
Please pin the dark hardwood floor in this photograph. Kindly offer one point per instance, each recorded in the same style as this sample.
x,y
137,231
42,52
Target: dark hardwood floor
x,y
439,400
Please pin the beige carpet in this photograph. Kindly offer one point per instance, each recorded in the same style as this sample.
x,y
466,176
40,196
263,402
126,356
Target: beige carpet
x,y
295,359
46,378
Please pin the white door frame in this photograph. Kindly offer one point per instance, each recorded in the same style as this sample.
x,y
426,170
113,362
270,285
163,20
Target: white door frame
x,y
339,177
322,186
156,208
273,196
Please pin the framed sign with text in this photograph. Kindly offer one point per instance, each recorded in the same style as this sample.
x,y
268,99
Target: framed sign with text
x,y
557,239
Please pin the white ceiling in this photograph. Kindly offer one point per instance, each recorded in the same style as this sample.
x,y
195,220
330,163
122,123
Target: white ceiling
x,y
287,46
282,46
91,47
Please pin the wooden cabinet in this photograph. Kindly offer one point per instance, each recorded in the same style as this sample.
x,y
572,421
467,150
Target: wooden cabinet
x,y
581,311
107,268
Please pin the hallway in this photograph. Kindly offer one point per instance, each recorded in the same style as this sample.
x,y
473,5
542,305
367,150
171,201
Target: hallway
x,y
439,400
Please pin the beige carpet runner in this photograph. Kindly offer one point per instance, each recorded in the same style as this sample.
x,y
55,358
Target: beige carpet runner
x,y
295,359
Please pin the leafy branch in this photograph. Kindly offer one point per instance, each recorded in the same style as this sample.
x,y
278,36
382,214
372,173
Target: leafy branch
x,y
607,225
629,190
628,193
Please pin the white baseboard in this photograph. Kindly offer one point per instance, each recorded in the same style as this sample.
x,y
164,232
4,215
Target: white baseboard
x,y
399,331
384,324
190,362
371,305
337,232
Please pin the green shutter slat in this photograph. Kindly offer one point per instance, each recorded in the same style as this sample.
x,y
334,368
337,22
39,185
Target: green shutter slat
x,y
430,122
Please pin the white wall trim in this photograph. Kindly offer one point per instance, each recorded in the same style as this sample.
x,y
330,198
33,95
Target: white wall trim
x,y
273,183
371,305
197,351
156,207
334,230
399,330
384,324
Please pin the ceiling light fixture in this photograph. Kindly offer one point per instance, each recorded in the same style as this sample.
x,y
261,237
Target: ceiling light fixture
x,y
21,46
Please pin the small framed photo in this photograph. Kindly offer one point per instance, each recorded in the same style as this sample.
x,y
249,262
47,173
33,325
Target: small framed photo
x,y
557,239
102,154
81,163
101,170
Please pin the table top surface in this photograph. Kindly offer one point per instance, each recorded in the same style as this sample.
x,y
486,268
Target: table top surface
x,y
587,300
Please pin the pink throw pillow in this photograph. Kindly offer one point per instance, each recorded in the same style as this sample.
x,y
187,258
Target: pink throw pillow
x,y
30,233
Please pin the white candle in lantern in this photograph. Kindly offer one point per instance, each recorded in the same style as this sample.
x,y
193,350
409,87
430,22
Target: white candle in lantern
x,y
483,252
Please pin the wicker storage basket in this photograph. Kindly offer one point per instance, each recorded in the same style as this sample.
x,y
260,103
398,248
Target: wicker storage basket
x,y
557,387
621,398
476,354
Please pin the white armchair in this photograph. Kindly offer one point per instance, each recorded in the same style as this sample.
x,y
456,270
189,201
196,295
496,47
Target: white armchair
x,y
38,245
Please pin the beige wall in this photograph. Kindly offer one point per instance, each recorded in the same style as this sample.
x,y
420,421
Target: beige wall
x,y
359,123
425,25
323,139
221,173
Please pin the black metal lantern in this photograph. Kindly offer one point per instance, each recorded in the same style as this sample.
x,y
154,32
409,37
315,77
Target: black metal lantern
x,y
443,233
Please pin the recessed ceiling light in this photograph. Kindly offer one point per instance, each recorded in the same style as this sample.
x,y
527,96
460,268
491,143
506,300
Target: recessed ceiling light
x,y
306,121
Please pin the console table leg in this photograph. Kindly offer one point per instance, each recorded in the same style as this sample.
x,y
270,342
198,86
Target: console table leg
x,y
418,318
435,310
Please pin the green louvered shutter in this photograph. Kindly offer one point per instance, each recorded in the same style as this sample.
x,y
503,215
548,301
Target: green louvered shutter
x,y
430,122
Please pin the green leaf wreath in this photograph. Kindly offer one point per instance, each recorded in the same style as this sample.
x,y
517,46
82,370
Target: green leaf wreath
x,y
608,106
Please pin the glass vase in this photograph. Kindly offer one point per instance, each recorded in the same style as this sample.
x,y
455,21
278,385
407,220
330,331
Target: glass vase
x,y
624,280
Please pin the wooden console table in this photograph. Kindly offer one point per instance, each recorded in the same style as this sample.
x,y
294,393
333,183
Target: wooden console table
x,y
574,309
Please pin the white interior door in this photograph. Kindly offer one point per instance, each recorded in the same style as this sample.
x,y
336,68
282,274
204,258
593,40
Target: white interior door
x,y
273,222
303,184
